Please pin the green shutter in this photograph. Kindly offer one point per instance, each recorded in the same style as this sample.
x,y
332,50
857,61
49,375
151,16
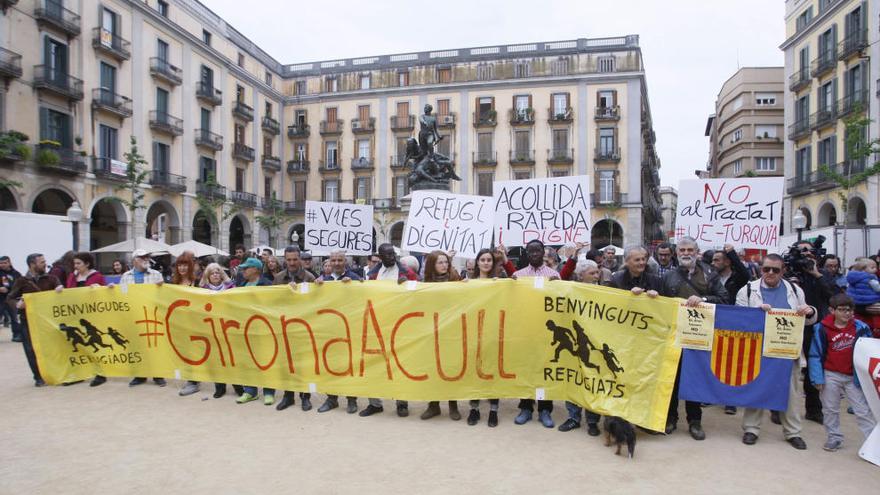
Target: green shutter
x,y
44,123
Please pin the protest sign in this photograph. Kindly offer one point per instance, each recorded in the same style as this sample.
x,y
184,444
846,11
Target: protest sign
x,y
554,211
331,226
866,359
742,212
446,221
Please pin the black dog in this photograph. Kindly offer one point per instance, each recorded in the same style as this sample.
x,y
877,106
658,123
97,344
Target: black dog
x,y
622,432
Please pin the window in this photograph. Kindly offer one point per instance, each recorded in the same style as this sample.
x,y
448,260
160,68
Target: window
x,y
299,190
206,119
854,84
109,24
238,133
268,109
765,99
765,131
804,19
444,147
331,155
331,190
560,105
299,88
605,99
802,159
267,146
162,7
606,186
559,67
365,81
267,188
161,103
300,117
206,37
522,68
485,105
207,169
484,71
444,75
737,103
523,175
403,79
559,173
826,97
559,139
765,164
521,105
827,151
206,76
161,157
802,109
827,44
362,188
363,149
331,85
268,78
239,179
56,126
399,189
484,146
302,152
442,107
606,64
239,93
107,142
55,59
522,143
364,114
606,141
162,50
484,183
737,136
737,167
108,83
804,59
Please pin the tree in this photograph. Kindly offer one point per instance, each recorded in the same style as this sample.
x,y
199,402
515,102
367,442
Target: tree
x,y
273,218
860,149
135,177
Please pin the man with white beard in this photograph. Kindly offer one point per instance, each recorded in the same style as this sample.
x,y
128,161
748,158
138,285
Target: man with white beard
x,y
696,282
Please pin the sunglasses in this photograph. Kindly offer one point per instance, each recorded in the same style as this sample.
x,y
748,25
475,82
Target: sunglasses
x,y
768,269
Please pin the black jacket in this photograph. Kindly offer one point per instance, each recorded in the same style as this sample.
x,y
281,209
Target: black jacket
x,y
647,281
739,277
675,284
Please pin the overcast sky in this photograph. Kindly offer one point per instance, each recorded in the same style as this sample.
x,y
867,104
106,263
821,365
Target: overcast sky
x,y
690,47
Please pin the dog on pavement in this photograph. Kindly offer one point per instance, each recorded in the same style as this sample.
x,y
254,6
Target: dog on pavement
x,y
622,432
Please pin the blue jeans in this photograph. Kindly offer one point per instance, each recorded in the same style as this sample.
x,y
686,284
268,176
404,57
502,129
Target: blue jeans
x,y
253,391
574,412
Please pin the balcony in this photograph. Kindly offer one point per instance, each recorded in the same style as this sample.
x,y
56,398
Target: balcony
x,y
446,120
271,125
799,129
243,152
560,115
817,180
164,70
607,154
405,123
105,100
210,190
295,206
363,126
607,113
297,131
331,127
110,169
799,80
208,139
166,181
243,111
163,122
52,13
488,118
606,199
328,166
852,44
855,102
523,117
56,159
297,167
823,117
208,94
272,163
824,63
560,156
361,163
246,199
522,157
398,161
10,64
111,44
485,159
58,82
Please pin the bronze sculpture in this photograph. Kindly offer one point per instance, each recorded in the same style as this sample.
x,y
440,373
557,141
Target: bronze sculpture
x,y
430,169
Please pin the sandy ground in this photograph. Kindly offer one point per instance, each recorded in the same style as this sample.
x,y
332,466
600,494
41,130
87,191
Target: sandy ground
x,y
148,440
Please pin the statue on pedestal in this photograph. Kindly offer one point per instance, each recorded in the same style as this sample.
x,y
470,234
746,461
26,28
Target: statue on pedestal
x,y
430,169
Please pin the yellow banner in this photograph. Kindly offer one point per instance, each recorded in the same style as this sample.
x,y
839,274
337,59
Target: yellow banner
x,y
605,349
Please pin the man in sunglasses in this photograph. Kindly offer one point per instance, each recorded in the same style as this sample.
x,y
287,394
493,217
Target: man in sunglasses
x,y
772,291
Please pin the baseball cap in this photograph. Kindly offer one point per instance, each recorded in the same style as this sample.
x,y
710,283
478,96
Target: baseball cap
x,y
251,263
140,253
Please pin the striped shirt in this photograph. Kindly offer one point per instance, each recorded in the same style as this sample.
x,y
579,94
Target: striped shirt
x,y
150,277
542,271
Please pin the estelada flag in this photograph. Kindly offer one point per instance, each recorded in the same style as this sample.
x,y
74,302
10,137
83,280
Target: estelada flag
x,y
735,373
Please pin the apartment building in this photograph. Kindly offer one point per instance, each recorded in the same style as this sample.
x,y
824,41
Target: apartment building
x,y
668,209
746,129
830,49
226,128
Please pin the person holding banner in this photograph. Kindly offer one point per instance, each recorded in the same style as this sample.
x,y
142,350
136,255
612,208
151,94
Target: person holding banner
x,y
438,268
35,280
536,268
633,276
832,370
252,273
141,273
215,279
772,291
293,274
696,282
185,274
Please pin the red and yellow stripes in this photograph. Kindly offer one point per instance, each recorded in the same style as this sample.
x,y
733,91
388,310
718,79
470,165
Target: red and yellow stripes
x,y
736,356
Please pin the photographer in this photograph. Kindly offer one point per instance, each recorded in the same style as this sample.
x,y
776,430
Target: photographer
x,y
832,272
803,270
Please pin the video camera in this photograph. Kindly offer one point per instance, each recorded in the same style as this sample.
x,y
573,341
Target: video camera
x,y
797,261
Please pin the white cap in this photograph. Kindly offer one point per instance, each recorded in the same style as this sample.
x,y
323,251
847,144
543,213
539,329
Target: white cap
x,y
140,253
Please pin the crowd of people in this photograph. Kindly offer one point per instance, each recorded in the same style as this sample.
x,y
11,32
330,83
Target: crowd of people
x,y
839,308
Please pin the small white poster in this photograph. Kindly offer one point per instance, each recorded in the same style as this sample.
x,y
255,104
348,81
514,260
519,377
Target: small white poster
x,y
448,222
331,226
554,211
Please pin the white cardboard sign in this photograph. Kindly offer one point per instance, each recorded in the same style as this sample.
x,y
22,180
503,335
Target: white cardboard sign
x,y
554,210
446,221
331,226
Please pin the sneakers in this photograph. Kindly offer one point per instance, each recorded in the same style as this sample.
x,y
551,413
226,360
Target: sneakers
x,y
569,425
696,431
402,410
750,438
370,410
493,419
798,443
832,445
593,429
98,380
453,411
137,381
245,398
546,419
328,405
524,416
160,382
268,399
432,410
352,406
189,389
473,417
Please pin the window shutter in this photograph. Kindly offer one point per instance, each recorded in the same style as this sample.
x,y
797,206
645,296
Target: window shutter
x,y
833,152
614,98
863,16
833,47
493,102
567,100
323,190
598,99
66,132
477,106
44,123
530,102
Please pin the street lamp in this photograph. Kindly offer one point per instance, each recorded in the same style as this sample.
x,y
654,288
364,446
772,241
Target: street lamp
x,y
74,215
799,222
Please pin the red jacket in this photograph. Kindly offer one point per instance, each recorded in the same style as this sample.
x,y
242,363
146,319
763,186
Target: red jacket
x,y
93,278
